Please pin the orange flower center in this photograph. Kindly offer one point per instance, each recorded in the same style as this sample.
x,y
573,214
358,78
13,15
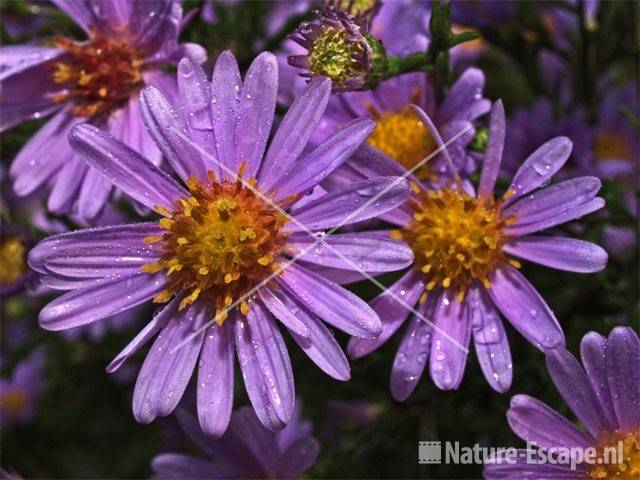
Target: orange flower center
x,y
219,243
456,238
98,75
618,457
403,137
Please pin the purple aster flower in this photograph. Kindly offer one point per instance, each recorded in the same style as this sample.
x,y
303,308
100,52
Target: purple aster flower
x,y
531,127
337,47
97,80
399,132
20,393
382,19
217,137
464,273
246,450
603,393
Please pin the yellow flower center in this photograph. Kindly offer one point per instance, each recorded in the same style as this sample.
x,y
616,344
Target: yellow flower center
x,y
12,265
98,75
219,242
456,238
334,55
403,137
12,402
612,145
356,7
618,457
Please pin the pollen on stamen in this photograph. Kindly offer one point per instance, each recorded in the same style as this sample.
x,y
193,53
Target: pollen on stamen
x,y
97,75
401,135
618,456
218,244
456,238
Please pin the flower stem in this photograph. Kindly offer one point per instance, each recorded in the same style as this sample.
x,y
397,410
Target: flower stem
x,y
417,62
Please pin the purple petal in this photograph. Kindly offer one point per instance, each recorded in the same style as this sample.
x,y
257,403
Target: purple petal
x,y
496,468
156,26
553,201
193,51
94,194
540,166
100,300
44,154
411,358
231,449
592,351
331,302
523,306
27,84
15,59
360,201
341,277
493,153
109,16
319,343
573,384
368,252
324,159
452,332
490,341
156,324
225,99
558,252
623,372
298,124
284,308
533,421
195,96
80,12
259,441
179,465
367,162
266,367
299,457
464,101
127,124
215,379
166,370
163,123
255,111
392,313
66,184
94,253
559,218
130,172
64,283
